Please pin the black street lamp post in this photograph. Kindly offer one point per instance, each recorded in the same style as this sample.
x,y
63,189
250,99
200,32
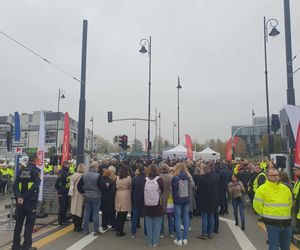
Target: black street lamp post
x,y
143,50
174,125
178,88
134,125
92,144
61,95
274,32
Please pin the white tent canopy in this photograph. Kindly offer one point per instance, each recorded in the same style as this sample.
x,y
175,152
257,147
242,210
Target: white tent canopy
x,y
207,154
178,152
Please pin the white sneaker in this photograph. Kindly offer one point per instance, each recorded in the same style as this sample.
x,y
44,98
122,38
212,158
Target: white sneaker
x,y
178,242
172,235
181,227
162,236
190,228
184,242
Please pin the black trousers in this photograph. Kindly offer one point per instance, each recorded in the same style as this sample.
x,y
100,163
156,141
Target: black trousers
x,y
77,221
223,202
26,210
109,218
121,218
3,185
63,208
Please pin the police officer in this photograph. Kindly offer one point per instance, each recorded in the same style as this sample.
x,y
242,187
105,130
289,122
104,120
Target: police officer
x,y
62,186
26,191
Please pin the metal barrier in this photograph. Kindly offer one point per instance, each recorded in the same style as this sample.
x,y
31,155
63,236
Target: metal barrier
x,y
10,224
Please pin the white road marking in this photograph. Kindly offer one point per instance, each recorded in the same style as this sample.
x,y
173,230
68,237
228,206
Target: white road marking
x,y
239,235
85,241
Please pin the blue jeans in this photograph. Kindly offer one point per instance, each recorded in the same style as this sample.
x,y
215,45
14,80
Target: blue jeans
x,y
153,225
170,224
135,215
207,223
94,205
279,236
238,204
184,211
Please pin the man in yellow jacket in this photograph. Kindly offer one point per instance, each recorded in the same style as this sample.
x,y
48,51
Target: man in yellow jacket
x,y
296,197
273,201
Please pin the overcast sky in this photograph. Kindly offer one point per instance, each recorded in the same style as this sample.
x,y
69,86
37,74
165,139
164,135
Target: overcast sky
x,y
215,46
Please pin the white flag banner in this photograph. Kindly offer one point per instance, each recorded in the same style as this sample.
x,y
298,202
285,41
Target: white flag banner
x,y
41,153
293,113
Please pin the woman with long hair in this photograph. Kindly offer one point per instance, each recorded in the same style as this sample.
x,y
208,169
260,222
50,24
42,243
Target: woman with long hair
x,y
180,190
76,198
153,210
236,190
123,198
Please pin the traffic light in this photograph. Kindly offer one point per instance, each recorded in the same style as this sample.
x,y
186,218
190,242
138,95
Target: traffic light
x,y
275,123
116,139
8,141
125,141
121,141
109,116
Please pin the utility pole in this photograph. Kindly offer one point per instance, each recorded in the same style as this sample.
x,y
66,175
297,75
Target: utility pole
x,y
81,120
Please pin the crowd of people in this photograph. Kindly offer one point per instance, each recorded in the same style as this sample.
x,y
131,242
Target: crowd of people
x,y
6,177
170,193
171,190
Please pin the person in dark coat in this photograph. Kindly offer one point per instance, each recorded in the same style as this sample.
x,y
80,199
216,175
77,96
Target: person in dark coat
x,y
137,199
216,211
108,200
206,194
224,174
62,186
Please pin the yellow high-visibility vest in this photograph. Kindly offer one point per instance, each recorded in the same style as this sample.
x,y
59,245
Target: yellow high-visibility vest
x,y
255,182
295,195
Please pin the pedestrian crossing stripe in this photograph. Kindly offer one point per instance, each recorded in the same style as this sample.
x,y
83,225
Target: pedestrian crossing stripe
x,y
42,242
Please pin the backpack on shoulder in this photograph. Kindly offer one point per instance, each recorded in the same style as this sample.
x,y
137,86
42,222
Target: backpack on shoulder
x,y
183,188
151,192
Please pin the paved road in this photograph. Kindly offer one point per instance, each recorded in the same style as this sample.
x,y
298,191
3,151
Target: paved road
x,y
253,238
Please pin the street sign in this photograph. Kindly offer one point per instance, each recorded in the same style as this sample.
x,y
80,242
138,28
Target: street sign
x,y
18,150
18,144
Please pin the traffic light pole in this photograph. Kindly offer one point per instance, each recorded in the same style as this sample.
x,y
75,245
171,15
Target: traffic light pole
x,y
11,133
233,134
132,119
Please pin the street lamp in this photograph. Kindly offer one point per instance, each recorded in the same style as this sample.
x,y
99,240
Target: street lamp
x,y
92,147
61,95
159,132
274,32
253,135
143,50
178,88
174,125
134,125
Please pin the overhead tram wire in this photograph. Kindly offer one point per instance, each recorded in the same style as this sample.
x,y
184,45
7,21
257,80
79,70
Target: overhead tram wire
x,y
43,58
